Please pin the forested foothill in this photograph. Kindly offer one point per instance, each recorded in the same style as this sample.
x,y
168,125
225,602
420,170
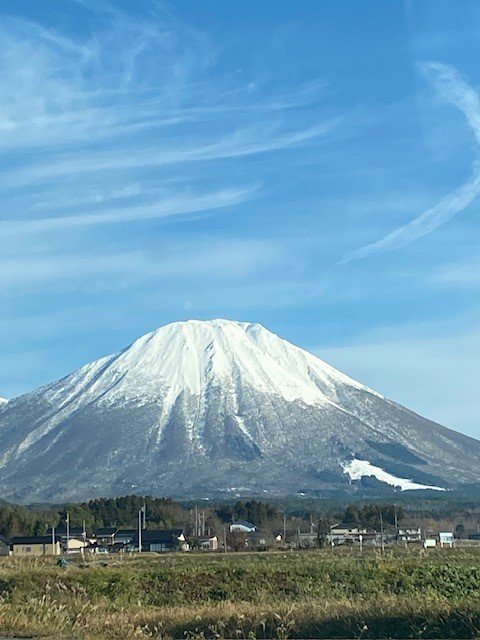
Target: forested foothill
x,y
458,512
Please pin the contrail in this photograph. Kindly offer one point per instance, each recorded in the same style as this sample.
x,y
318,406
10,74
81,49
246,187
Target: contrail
x,y
455,90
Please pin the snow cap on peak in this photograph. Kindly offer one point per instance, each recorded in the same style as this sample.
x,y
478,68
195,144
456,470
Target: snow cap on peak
x,y
214,323
212,328
195,355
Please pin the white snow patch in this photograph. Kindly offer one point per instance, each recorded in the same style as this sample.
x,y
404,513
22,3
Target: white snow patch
x,y
357,469
3,401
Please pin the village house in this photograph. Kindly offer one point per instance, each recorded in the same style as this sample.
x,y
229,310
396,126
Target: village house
x,y
345,532
346,528
74,545
206,543
105,535
162,540
123,541
410,534
125,536
35,546
61,532
75,541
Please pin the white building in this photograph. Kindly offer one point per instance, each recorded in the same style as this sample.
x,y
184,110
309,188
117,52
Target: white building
x,y
242,527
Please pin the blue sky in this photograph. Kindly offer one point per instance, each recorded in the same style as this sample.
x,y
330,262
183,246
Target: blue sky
x,y
310,166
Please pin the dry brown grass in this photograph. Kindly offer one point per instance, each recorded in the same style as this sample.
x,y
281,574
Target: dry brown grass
x,y
116,602
387,617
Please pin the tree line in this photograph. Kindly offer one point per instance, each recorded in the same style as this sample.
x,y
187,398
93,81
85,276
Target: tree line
x,y
166,513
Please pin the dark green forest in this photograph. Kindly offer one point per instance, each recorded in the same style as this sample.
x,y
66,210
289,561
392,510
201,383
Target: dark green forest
x,y
164,513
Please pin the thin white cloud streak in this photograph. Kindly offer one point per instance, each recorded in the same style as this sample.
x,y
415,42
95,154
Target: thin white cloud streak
x,y
222,260
137,113
94,104
97,124
130,76
459,276
454,89
242,143
95,196
175,206
123,106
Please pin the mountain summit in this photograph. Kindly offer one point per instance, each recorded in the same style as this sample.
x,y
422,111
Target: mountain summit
x,y
206,407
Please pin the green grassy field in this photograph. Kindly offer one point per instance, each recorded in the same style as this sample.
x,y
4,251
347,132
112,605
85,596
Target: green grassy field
x,y
316,594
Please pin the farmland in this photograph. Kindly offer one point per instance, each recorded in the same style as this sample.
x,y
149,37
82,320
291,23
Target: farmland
x,y
316,594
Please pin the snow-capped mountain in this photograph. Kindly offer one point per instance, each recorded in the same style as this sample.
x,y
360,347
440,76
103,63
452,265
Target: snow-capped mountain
x,y
3,401
197,408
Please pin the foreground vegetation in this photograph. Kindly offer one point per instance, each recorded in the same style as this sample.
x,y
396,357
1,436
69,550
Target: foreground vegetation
x,y
319,594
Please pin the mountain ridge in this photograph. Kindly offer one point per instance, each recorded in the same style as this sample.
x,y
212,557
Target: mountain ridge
x,y
231,402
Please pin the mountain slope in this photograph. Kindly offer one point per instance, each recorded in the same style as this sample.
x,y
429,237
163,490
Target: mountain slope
x,y
201,407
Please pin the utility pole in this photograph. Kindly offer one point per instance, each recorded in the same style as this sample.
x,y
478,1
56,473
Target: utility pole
x,y
144,512
396,522
140,531
284,529
67,520
84,536
381,533
225,538
54,548
196,528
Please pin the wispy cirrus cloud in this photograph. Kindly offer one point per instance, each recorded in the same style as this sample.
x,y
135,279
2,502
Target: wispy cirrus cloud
x,y
223,260
130,97
454,89
167,208
242,143
123,122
